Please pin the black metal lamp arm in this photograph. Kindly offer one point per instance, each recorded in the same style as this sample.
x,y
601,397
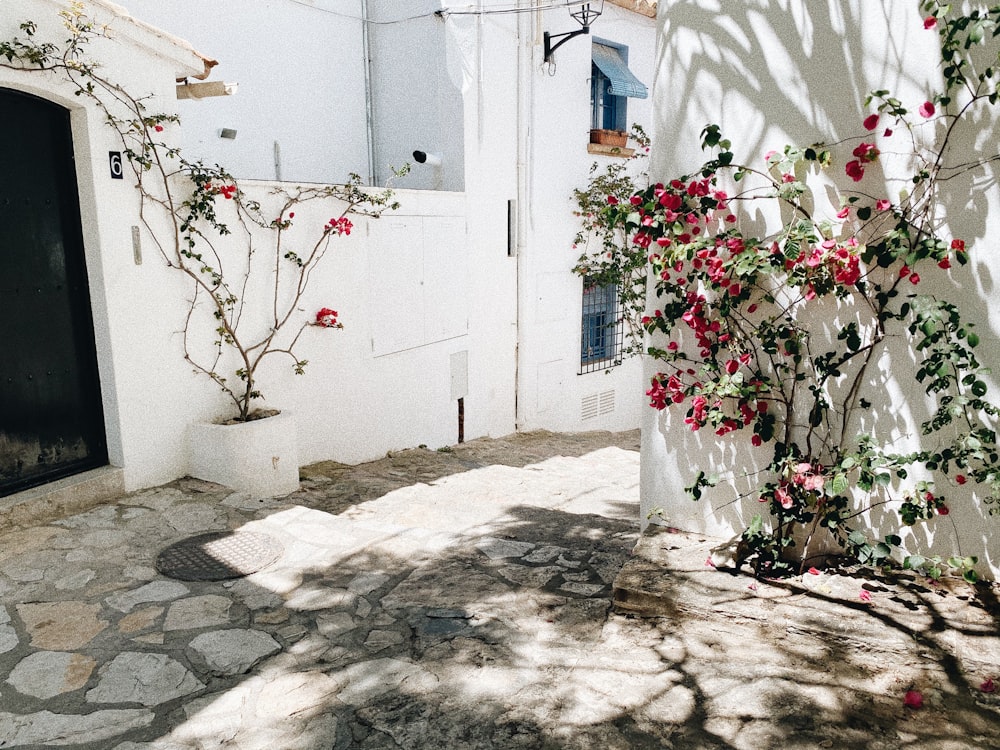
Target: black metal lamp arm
x,y
563,38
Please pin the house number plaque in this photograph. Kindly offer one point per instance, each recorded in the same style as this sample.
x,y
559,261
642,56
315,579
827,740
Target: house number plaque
x,y
115,162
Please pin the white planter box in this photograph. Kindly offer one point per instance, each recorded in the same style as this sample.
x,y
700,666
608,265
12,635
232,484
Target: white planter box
x,y
258,457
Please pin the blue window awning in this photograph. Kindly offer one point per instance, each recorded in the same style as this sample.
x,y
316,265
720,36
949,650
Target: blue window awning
x,y
623,83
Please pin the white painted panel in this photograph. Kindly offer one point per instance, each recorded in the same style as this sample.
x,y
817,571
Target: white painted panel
x,y
446,279
395,273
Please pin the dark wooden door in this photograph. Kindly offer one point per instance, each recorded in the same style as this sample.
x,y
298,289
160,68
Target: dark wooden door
x,y
51,418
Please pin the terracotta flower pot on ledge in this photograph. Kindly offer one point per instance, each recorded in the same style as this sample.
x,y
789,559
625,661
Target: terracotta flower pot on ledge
x,y
609,137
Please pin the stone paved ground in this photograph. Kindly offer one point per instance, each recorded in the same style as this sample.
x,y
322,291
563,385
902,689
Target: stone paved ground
x,y
439,600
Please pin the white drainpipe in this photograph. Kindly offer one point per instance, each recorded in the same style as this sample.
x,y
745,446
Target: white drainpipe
x,y
369,111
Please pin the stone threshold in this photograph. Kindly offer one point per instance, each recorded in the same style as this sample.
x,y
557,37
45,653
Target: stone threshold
x,y
62,497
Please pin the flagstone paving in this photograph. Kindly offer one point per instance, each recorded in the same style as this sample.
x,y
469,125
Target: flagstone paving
x,y
456,599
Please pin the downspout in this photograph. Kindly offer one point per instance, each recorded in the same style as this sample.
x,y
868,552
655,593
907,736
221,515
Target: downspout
x,y
524,50
369,111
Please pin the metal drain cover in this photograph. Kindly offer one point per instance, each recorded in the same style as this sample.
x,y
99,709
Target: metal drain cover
x,y
218,556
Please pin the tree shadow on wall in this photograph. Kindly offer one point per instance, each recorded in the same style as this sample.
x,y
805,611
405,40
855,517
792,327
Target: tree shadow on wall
x,y
802,71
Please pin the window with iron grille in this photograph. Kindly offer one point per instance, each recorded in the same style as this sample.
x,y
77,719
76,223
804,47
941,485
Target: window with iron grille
x,y
602,327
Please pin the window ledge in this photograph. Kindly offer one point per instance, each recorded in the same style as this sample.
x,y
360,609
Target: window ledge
x,y
604,150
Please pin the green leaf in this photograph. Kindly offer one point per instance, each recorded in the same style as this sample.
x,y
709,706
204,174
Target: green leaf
x,y
840,484
979,388
973,340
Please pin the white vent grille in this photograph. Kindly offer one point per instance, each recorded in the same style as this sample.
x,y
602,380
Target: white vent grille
x,y
597,404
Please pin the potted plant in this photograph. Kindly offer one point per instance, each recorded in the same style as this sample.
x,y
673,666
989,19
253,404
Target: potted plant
x,y
604,137
245,306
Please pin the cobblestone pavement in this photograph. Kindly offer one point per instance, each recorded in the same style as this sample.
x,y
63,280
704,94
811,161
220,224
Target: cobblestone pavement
x,y
454,599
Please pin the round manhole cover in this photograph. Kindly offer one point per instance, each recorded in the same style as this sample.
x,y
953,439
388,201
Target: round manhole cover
x,y
218,556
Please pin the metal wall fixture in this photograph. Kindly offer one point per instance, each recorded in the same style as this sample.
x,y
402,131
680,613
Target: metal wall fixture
x,y
585,16
431,160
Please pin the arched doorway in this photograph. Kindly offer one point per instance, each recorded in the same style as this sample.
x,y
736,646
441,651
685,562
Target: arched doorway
x,y
51,418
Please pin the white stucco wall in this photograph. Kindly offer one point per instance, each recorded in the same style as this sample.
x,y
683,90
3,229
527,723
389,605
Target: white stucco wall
x,y
790,71
300,70
414,294
552,394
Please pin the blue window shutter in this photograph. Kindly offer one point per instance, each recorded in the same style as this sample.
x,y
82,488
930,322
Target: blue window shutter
x,y
623,81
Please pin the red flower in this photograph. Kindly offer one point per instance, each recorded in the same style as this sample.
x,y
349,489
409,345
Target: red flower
x,y
926,110
813,571
913,699
871,122
732,366
914,278
958,246
866,152
854,170
883,205
327,318
943,510
158,128
612,201
988,686
865,595
960,478
755,440
944,263
930,22
342,225
887,133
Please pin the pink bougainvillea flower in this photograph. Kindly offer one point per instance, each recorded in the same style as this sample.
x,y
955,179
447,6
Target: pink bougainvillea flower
x,y
788,177
158,128
988,686
865,595
943,510
883,205
961,478
752,309
888,132
709,563
914,278
871,122
854,170
913,699
904,271
930,22
769,154
784,498
756,440
291,214
732,366
813,571
926,110
844,212
327,318
866,152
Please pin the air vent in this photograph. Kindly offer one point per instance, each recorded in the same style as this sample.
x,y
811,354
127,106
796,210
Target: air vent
x,y
596,404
